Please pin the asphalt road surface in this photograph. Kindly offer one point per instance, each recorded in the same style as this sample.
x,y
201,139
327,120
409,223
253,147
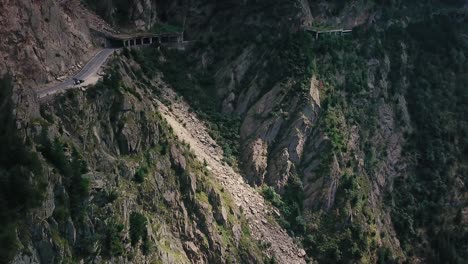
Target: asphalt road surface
x,y
91,68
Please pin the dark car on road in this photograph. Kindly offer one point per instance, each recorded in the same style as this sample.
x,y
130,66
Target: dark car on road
x,y
77,81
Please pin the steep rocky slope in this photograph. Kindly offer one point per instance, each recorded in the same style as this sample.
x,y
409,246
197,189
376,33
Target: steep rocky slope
x,y
121,188
259,214
332,123
44,41
107,181
140,15
358,140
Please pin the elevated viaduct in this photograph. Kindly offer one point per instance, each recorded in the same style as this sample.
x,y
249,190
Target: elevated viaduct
x,y
330,31
140,39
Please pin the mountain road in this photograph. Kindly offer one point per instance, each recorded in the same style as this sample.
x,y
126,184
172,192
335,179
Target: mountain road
x,y
89,70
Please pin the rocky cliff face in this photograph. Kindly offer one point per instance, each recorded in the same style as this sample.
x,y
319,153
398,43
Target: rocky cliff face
x,y
330,123
336,132
45,41
121,188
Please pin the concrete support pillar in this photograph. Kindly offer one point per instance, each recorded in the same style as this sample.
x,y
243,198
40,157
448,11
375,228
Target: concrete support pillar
x,y
151,40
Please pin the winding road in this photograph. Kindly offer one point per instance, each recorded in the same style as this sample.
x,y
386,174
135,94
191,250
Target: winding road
x,y
91,68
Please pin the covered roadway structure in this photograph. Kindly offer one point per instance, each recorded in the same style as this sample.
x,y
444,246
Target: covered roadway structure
x,y
330,31
142,39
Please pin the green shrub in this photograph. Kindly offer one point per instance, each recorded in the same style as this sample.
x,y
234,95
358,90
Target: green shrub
x,y
271,196
269,260
146,245
334,128
111,196
140,175
112,245
137,227
290,204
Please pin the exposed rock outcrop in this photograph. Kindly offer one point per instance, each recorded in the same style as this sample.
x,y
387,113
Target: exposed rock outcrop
x,y
43,42
145,197
255,209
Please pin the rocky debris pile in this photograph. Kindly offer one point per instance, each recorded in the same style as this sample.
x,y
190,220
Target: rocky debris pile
x,y
258,213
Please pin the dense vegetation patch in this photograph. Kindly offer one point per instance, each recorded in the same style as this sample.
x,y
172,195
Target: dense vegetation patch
x,y
22,182
112,245
72,170
137,228
117,12
438,103
330,235
426,214
140,175
346,230
290,204
166,28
